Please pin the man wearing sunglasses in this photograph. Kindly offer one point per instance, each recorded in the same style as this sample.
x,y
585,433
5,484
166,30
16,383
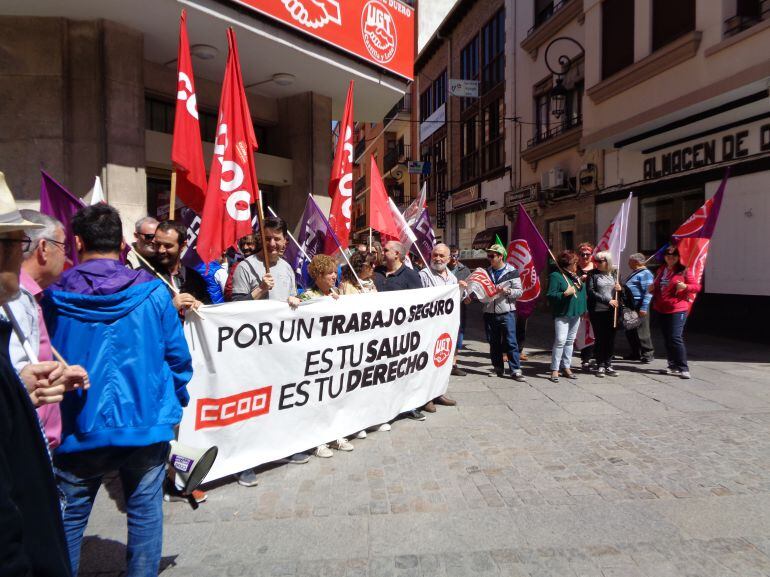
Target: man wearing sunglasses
x,y
500,314
144,235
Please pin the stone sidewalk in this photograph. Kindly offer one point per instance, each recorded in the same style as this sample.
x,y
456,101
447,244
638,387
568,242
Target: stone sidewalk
x,y
640,475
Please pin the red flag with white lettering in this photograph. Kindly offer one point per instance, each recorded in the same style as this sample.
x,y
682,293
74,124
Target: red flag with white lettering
x,y
233,184
187,150
341,182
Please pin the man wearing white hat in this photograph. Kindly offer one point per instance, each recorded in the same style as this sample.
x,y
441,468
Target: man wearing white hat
x,y
31,536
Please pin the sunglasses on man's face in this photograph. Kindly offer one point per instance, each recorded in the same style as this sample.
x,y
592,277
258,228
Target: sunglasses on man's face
x,y
492,255
148,237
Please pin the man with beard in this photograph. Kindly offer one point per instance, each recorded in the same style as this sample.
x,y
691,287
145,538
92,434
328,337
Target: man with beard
x,y
252,282
170,240
247,246
438,274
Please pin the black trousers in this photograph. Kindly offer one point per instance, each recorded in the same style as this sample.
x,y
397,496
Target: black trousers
x,y
604,332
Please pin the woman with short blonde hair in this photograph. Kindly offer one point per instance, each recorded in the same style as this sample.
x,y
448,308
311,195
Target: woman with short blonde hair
x,y
602,303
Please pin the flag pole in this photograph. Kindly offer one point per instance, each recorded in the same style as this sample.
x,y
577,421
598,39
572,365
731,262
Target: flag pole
x,y
168,284
172,196
260,221
561,270
370,240
291,236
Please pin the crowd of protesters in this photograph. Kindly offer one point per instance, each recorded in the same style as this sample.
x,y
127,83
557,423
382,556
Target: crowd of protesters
x,y
111,407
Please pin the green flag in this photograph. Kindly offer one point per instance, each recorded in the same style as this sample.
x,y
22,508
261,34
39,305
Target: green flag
x,y
500,242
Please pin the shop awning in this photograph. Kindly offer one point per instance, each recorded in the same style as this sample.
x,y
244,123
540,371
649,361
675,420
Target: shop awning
x,y
486,238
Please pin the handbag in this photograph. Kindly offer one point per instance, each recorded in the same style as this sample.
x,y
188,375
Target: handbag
x,y
631,319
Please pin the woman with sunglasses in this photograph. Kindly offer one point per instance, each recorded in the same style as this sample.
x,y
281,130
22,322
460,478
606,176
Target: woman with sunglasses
x,y
673,292
585,265
602,302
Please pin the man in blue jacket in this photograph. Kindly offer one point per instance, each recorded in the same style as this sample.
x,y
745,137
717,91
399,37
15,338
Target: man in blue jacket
x,y
121,325
639,339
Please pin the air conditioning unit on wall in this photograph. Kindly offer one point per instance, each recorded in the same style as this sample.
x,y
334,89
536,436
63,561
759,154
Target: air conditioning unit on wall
x,y
554,178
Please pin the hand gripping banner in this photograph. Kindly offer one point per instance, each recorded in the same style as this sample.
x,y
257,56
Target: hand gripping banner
x,y
269,381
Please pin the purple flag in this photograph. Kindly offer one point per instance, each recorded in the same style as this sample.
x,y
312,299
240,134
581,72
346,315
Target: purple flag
x,y
192,221
313,232
423,231
528,252
61,204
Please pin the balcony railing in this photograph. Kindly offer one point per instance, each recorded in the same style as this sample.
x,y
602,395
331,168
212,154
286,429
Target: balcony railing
x,y
740,22
544,135
402,106
360,185
546,14
395,156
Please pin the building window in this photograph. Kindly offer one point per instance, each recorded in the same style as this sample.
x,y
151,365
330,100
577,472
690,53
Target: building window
x,y
493,52
469,149
617,36
435,153
747,14
492,135
546,125
433,96
659,217
469,67
670,20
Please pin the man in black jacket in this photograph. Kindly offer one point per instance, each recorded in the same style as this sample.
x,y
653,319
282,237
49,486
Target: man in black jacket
x,y
31,536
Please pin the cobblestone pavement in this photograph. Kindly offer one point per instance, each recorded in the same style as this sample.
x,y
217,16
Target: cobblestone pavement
x,y
640,475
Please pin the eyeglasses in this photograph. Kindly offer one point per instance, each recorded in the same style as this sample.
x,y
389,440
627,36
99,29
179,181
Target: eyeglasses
x,y
601,260
61,245
147,236
671,253
25,242
585,254
492,255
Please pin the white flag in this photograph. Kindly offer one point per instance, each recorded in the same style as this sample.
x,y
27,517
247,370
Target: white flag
x,y
614,238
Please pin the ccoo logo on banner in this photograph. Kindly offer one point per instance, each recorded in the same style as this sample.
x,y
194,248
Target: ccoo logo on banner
x,y
269,381
520,256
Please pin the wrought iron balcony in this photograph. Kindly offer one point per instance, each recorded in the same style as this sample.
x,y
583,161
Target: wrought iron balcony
x,y
566,125
395,156
546,14
402,106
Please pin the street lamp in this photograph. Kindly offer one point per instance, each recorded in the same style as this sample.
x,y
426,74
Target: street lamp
x,y
559,91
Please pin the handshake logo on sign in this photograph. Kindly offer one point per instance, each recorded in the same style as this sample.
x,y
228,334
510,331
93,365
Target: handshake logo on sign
x,y
314,13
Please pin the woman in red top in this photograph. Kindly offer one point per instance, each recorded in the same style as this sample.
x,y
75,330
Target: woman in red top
x,y
673,293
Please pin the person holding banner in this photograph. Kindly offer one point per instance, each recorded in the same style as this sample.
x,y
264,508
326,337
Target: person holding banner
x,y
602,302
394,275
252,282
247,245
500,313
323,271
439,275
144,234
567,297
169,242
673,292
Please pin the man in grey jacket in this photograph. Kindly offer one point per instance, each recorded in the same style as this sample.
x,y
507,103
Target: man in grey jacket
x,y
500,313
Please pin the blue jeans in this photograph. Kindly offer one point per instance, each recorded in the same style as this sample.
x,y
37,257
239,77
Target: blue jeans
x,y
565,330
141,470
672,327
501,336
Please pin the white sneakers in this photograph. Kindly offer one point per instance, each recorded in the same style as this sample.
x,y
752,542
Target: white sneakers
x,y
323,451
342,445
383,427
361,434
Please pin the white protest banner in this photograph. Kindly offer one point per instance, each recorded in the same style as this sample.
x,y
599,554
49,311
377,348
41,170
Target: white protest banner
x,y
270,381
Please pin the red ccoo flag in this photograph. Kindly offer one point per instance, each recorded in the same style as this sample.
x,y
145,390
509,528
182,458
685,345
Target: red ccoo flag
x,y
233,184
341,183
187,150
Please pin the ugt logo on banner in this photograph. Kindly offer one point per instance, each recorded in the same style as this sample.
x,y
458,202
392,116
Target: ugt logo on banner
x,y
442,350
378,31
